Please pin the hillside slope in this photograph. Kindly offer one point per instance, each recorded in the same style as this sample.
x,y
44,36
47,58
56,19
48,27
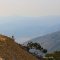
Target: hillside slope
x,y
50,41
10,50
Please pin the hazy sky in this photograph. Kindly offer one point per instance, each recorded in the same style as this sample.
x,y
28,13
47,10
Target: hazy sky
x,y
26,19
29,7
26,28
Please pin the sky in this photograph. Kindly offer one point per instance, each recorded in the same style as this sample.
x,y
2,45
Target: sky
x,y
27,19
29,7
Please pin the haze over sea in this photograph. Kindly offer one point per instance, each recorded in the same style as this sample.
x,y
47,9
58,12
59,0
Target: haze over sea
x,y
25,28
27,19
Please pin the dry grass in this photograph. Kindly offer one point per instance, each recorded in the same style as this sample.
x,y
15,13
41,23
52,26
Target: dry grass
x,y
10,50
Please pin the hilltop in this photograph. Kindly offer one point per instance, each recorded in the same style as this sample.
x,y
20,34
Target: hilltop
x,y
10,50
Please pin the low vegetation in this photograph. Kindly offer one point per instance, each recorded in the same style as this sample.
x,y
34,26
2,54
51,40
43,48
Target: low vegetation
x,y
37,48
53,56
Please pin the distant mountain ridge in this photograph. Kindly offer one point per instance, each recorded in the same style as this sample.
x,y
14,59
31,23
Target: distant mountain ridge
x,y
50,41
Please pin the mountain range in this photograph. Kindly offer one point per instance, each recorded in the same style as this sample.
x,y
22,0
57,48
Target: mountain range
x,y
50,41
